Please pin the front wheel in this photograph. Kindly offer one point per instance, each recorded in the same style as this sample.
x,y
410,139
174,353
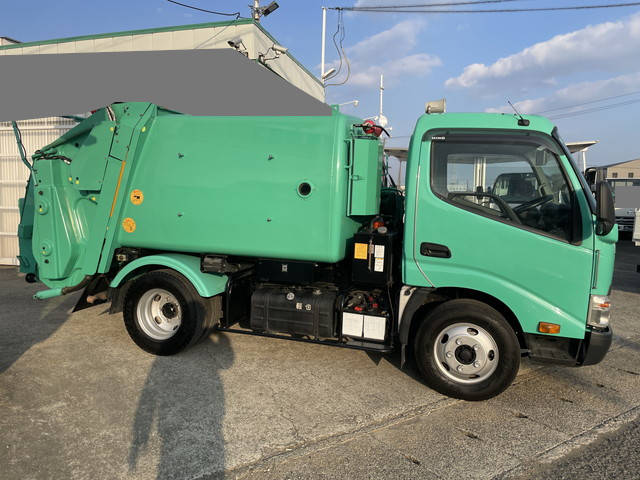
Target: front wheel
x,y
164,314
466,349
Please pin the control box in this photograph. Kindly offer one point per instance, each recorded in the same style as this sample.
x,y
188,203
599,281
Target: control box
x,y
373,258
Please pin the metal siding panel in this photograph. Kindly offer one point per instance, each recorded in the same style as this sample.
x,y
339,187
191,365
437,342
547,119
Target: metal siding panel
x,y
203,36
102,44
183,40
85,46
115,44
15,51
36,133
162,41
142,42
50,49
67,47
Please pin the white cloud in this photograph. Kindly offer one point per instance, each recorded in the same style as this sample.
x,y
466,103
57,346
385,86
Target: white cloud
x,y
368,58
577,94
609,46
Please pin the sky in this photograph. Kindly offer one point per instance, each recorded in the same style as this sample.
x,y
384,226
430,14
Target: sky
x,y
540,61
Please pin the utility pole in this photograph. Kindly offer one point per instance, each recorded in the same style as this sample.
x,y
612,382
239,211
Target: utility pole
x,y
255,11
381,92
324,34
382,120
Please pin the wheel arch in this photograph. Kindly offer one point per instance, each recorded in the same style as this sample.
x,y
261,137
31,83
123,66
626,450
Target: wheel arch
x,y
423,300
206,284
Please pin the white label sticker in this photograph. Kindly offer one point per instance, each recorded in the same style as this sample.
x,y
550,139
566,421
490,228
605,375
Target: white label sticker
x,y
352,324
379,251
374,327
378,265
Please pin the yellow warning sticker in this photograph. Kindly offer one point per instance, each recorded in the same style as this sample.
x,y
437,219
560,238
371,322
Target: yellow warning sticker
x,y
361,251
137,197
129,225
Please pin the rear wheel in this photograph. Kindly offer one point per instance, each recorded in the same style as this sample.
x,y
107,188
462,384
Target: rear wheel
x,y
164,314
466,349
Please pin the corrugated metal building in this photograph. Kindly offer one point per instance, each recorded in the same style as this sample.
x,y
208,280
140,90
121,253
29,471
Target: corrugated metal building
x,y
246,35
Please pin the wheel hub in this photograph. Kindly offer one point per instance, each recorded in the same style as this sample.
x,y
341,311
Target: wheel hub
x,y
169,310
159,314
466,353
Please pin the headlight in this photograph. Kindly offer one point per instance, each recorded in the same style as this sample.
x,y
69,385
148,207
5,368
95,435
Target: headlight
x,y
599,311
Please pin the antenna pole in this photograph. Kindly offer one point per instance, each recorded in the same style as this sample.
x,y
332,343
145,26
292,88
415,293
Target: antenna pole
x,y
381,92
255,11
324,34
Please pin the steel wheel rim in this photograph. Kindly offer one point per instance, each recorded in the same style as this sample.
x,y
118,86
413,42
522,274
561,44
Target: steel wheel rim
x,y
159,314
466,353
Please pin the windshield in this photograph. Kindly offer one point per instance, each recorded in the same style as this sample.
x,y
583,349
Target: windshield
x,y
515,178
583,183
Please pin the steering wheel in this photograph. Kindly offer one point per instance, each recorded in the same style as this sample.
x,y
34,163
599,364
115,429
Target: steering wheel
x,y
536,202
504,206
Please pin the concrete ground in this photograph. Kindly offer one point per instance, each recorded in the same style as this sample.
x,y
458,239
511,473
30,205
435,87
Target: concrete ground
x,y
80,401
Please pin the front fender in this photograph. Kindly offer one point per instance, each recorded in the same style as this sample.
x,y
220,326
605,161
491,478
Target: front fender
x,y
206,284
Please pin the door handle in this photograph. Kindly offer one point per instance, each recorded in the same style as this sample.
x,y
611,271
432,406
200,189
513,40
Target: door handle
x,y
434,250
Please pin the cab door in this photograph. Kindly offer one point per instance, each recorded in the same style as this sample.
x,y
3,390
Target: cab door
x,y
500,214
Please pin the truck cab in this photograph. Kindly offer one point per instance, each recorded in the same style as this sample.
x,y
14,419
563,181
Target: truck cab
x,y
498,212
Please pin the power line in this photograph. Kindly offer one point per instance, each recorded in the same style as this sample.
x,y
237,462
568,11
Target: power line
x,y
391,9
593,110
341,52
429,5
587,103
235,14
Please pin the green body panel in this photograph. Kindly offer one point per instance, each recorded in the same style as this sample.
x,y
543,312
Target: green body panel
x,y
365,177
214,185
206,284
539,278
230,185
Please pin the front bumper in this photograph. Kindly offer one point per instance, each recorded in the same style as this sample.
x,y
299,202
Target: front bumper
x,y
570,351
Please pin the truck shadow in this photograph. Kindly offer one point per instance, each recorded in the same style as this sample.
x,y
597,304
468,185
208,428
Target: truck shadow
x,y
179,418
25,322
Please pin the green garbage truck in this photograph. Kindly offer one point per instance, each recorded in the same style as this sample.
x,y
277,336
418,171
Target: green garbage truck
x,y
286,226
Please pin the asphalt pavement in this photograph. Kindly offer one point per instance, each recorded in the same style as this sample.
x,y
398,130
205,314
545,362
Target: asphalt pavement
x,y
613,455
80,401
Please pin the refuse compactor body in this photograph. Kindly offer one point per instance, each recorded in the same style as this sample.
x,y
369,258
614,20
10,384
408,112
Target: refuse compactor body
x,y
137,175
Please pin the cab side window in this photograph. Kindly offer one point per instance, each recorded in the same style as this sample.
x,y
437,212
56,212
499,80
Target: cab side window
x,y
518,181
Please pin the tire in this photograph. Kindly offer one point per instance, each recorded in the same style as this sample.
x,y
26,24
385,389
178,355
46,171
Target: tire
x,y
466,349
164,314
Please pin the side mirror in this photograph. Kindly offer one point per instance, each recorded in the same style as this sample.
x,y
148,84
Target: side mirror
x,y
605,210
590,176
